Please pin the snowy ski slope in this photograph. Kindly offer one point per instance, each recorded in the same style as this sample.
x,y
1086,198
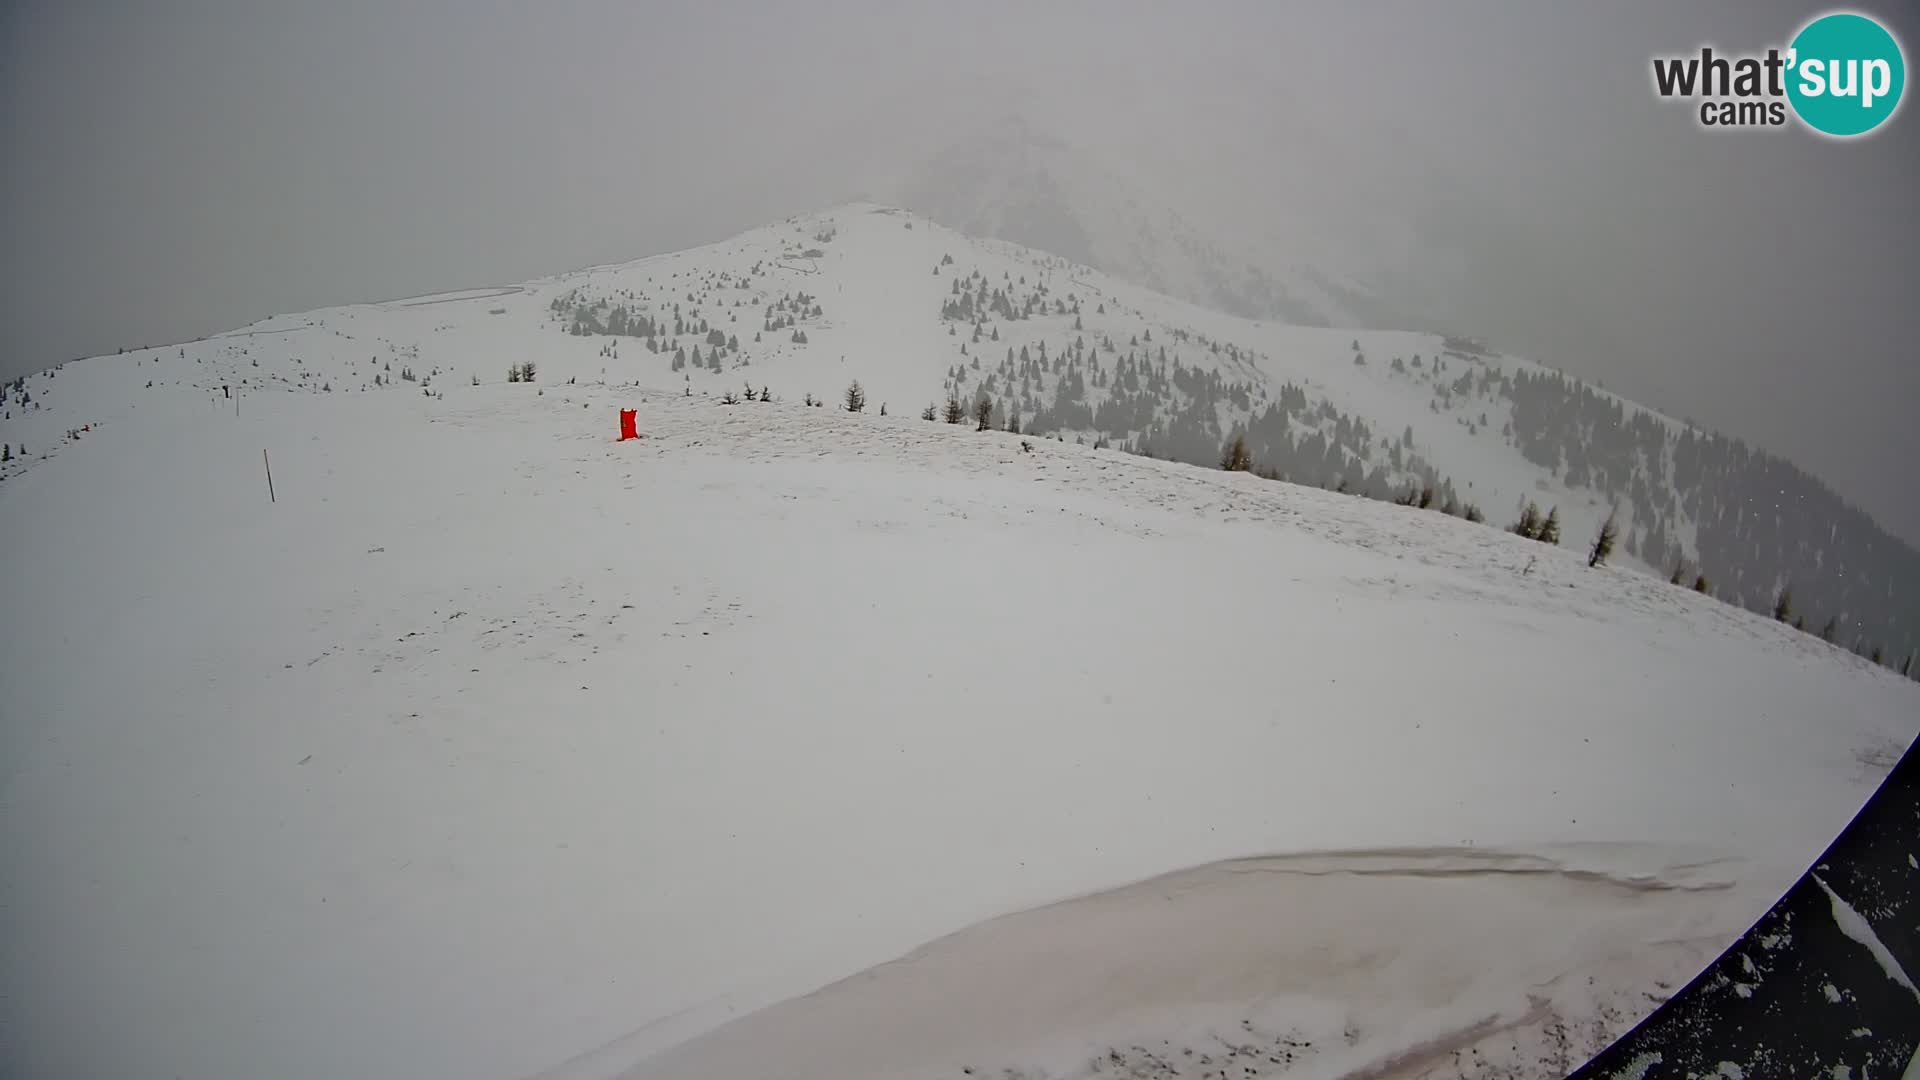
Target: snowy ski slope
x,y
495,748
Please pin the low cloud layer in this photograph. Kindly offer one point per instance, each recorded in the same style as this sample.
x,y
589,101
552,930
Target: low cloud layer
x,y
174,172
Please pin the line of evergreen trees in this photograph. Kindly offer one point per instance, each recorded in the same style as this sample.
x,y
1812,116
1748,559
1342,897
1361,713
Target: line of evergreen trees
x,y
1756,519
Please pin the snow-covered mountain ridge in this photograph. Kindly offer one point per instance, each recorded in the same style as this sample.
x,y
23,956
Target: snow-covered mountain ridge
x,y
483,745
920,314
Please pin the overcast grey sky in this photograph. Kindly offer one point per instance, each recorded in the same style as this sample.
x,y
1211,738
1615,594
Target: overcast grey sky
x,y
173,169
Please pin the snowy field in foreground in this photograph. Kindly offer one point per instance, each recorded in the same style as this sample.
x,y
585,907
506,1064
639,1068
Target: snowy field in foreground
x,y
498,749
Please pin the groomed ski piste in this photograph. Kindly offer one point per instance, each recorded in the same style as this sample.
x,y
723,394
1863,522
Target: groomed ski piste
x,y
790,742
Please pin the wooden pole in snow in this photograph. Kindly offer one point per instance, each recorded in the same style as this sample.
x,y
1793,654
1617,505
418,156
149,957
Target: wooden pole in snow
x,y
264,461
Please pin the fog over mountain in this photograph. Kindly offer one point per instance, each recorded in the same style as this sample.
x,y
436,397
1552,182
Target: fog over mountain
x,y
881,539
1497,170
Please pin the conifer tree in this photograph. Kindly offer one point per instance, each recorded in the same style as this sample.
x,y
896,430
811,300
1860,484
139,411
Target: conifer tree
x,y
1235,457
1603,543
1550,528
1529,523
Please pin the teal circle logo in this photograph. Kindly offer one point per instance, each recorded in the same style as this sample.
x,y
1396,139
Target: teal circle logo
x,y
1845,75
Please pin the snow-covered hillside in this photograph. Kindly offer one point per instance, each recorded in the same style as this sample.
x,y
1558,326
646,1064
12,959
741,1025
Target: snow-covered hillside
x,y
919,313
492,747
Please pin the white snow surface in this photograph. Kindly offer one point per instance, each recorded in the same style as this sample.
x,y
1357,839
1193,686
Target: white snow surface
x,y
496,748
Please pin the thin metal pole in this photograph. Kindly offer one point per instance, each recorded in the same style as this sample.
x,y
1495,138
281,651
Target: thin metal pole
x,y
269,465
